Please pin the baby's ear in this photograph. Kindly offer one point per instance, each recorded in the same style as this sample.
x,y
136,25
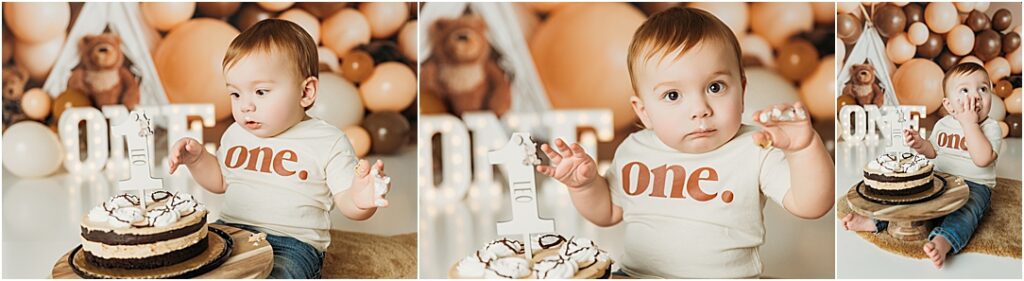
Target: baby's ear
x,y
309,90
640,110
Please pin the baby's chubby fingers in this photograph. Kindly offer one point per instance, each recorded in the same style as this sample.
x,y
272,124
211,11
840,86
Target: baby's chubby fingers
x,y
554,156
361,168
563,148
546,170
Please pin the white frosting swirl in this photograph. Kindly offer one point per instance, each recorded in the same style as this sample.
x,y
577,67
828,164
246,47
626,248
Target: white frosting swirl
x,y
583,251
98,214
158,196
893,162
508,268
555,267
162,216
474,266
184,203
124,200
504,247
125,217
548,241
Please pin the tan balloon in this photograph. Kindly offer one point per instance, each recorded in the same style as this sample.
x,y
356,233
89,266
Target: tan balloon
x,y
941,17
34,23
971,59
275,6
345,30
818,91
900,49
407,40
964,7
166,15
359,138
998,68
38,58
385,18
919,82
918,33
304,19
777,22
960,40
1015,61
824,12
36,104
189,63
733,14
848,8
391,87
1013,102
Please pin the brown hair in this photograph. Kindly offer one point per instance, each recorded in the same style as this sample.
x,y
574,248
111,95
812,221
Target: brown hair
x,y
963,69
678,28
276,35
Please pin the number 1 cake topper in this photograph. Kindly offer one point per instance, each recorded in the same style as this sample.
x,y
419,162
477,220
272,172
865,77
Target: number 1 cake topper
x,y
519,156
895,122
137,130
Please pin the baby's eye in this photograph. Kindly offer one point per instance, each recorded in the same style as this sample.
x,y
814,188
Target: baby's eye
x,y
716,87
233,94
983,89
963,91
671,95
261,92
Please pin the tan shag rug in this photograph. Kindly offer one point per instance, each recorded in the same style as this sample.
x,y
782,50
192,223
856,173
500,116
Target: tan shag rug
x,y
354,255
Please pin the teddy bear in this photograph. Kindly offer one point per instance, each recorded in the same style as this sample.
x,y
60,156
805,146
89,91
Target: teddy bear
x,y
863,85
463,70
102,74
15,78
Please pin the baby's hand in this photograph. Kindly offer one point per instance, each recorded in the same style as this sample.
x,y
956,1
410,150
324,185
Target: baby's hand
x,y
914,140
186,151
572,167
965,110
784,127
370,185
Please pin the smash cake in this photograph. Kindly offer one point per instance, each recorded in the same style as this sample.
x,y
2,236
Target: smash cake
x,y
900,178
555,257
120,233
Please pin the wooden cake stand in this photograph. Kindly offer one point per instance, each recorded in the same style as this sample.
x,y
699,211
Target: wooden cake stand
x,y
909,222
247,260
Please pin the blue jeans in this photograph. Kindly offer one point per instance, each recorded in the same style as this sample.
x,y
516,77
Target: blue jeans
x,y
293,259
958,227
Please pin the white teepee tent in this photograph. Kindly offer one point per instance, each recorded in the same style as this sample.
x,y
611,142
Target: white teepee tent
x,y
137,38
870,49
506,37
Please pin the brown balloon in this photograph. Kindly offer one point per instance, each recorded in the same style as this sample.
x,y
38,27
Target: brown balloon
x,y
848,28
217,9
796,60
356,66
249,15
68,99
931,47
1003,88
1011,41
987,45
890,20
947,60
913,12
977,21
388,131
844,100
1002,20
322,10
1013,121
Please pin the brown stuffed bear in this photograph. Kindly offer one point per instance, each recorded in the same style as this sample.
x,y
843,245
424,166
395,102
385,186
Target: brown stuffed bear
x,y
15,79
863,85
102,75
462,70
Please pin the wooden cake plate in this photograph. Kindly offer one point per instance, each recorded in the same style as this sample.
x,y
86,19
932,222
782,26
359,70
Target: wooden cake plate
x,y
909,222
247,259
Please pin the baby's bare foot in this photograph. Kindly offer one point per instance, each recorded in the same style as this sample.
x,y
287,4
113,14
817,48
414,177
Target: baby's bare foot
x,y
937,250
855,222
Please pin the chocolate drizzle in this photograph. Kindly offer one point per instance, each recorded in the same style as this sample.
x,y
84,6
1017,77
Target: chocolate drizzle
x,y
510,244
558,241
132,199
159,195
560,261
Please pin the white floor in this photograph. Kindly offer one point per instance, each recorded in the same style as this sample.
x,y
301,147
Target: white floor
x,y
41,216
857,258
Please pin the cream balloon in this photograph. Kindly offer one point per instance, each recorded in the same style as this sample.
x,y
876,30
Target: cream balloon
x,y
35,23
755,46
1013,101
345,30
305,20
900,49
327,57
840,51
766,88
38,58
998,68
391,87
385,18
359,138
36,104
31,150
165,16
275,6
918,33
407,40
337,102
941,17
997,110
733,14
981,6
960,40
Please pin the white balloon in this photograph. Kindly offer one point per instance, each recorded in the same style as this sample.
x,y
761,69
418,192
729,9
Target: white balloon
x,y
997,110
337,102
31,150
766,88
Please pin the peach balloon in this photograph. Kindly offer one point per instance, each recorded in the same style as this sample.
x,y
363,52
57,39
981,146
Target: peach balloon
x,y
304,19
998,68
971,59
385,18
275,6
824,12
818,91
919,82
900,49
165,16
345,30
391,87
777,22
328,58
941,17
189,63
8,48
918,33
848,8
733,14
35,23
755,46
1015,61
964,7
960,40
578,53
1013,102
36,104
407,40
1004,128
38,58
359,138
